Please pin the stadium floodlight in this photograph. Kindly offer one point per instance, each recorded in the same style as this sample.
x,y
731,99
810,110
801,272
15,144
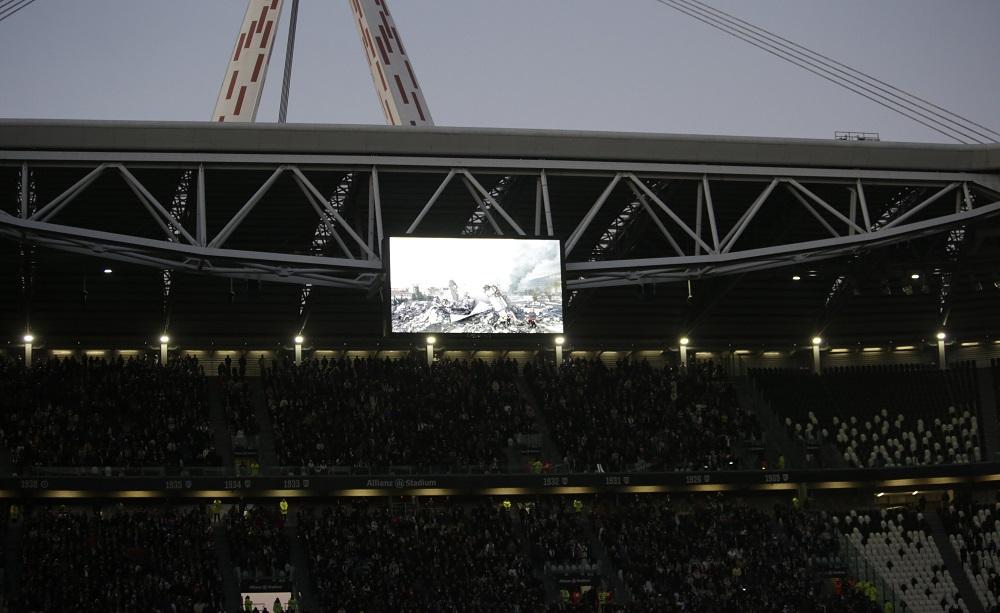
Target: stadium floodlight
x,y
685,340
560,340
796,278
915,276
108,271
431,340
941,336
28,338
817,340
164,339
299,339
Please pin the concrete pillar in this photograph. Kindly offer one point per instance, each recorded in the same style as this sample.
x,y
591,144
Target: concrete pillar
x,y
164,349
817,364
684,351
942,362
430,350
27,350
559,351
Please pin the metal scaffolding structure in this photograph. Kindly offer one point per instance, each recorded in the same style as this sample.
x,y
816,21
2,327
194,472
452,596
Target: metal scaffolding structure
x,y
691,249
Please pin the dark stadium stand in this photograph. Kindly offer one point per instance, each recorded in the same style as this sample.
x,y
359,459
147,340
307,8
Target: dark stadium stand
x,y
640,417
100,417
437,555
375,414
116,559
881,416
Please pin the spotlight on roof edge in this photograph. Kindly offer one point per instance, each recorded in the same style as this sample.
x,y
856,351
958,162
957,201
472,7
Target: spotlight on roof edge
x,y
299,339
941,336
108,271
796,278
28,338
817,340
431,340
164,339
560,340
915,276
685,340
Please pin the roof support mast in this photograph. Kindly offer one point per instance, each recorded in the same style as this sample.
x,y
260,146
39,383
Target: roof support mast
x,y
395,81
243,84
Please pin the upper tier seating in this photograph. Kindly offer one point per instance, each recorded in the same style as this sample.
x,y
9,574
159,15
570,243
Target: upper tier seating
x,y
382,413
880,416
95,413
637,417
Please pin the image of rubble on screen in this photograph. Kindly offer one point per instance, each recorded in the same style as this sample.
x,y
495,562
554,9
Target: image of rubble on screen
x,y
484,287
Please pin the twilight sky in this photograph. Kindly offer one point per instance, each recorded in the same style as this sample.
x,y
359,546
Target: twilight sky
x,y
620,65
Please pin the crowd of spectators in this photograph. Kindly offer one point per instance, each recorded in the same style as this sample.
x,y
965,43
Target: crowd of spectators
x,y
117,560
99,414
557,537
715,557
257,543
437,556
382,413
636,416
880,416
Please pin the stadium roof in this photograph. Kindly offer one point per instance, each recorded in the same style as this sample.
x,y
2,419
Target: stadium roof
x,y
864,294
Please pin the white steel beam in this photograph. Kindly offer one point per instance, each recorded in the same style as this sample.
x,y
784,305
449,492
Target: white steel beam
x,y
243,82
395,82
496,205
589,217
427,207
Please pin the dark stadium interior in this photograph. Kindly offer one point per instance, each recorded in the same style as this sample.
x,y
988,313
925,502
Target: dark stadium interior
x,y
689,453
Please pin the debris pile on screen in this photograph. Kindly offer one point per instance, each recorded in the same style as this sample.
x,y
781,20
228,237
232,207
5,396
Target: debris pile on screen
x,y
475,286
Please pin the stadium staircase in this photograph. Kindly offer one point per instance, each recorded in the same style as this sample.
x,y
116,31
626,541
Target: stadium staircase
x,y
12,559
301,581
220,429
609,574
951,561
988,409
548,583
265,443
230,584
547,447
776,439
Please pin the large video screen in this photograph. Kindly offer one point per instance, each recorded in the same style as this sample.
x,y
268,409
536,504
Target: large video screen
x,y
475,285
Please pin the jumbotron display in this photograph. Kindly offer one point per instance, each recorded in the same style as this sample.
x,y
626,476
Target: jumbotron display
x,y
475,286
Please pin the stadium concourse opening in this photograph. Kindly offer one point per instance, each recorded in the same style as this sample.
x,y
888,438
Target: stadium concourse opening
x,y
711,374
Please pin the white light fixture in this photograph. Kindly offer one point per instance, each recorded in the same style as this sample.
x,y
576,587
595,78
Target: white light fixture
x,y
905,348
299,339
560,340
880,494
839,350
164,339
817,340
871,349
685,340
108,271
28,338
915,276
941,336
796,278
970,344
431,340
